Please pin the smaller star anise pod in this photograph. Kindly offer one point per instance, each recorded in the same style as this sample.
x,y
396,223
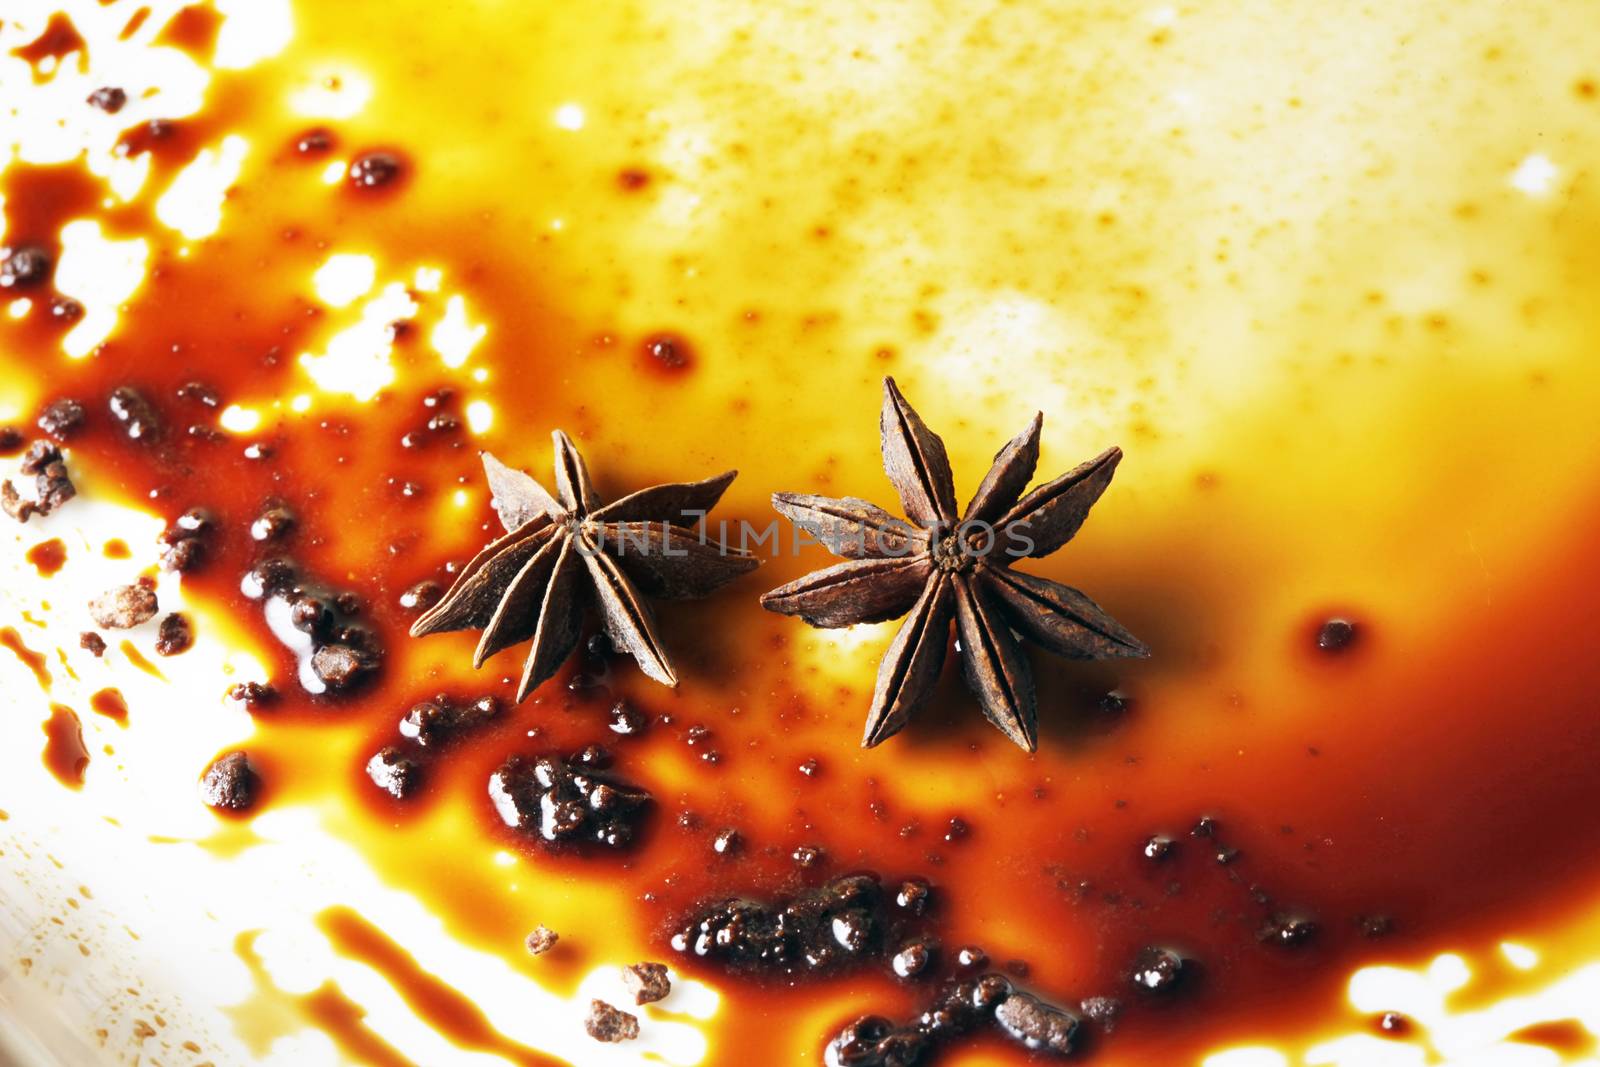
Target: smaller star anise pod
x,y
939,566
561,552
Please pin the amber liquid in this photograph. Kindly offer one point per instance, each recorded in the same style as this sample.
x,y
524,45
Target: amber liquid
x,y
1417,459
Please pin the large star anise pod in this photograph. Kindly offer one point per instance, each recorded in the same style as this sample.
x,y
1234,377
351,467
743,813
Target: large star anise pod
x,y
560,552
939,566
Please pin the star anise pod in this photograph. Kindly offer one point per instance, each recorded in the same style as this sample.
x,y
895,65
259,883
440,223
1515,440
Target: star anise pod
x,y
938,567
560,552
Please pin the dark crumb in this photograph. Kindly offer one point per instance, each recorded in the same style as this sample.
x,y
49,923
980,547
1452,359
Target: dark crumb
x,y
64,309
252,694
269,576
806,856
199,393
175,635
606,1023
1158,970
1206,827
134,413
1158,848
343,667
1102,1010
915,958
92,643
1376,926
109,99
873,1041
823,929
12,504
183,544
124,607
547,797
914,895
1288,931
11,440
647,982
541,940
394,772
314,142
810,768
626,720
1226,855
273,524
229,783
727,842
62,418
669,351
433,722
422,596
1115,702
1036,1026
956,830
971,958
964,1004
24,266
52,486
1392,1022
1336,635
370,170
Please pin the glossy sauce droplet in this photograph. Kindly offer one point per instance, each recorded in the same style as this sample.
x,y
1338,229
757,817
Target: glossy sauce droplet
x,y
60,38
48,557
110,703
137,658
34,661
64,753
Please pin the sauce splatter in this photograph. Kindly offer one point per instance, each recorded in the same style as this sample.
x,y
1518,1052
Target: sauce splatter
x,y
34,661
65,755
439,1005
48,557
110,703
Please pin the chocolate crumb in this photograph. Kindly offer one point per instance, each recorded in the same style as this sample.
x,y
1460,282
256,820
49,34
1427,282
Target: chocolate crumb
x,y
609,1024
394,772
727,842
229,783
92,643
647,982
806,856
1336,635
11,440
541,940
12,504
1035,1025
1102,1010
252,694
1158,848
64,309
124,607
342,667
915,958
626,720
175,635
134,413
273,524
109,99
433,722
24,266
370,170
551,799
422,596
1158,970
62,418
873,1041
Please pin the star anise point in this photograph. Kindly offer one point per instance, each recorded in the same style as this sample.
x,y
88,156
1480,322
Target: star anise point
x,y
938,570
